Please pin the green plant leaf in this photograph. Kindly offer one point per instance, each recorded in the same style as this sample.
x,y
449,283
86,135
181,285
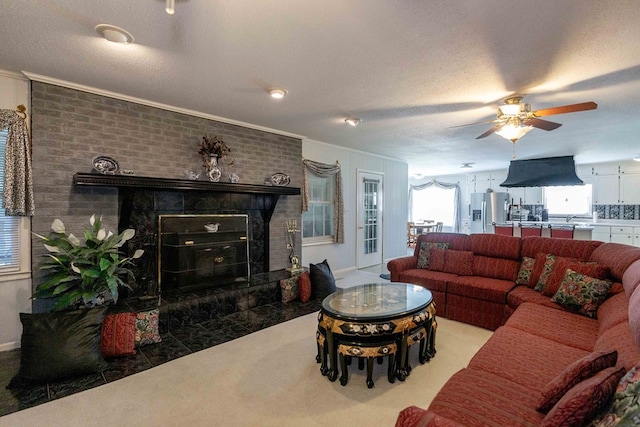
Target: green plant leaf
x,y
104,264
90,272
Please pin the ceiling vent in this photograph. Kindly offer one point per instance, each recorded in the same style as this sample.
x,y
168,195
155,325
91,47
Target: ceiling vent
x,y
547,172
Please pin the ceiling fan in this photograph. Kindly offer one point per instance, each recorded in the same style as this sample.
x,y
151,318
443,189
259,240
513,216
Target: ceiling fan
x,y
515,118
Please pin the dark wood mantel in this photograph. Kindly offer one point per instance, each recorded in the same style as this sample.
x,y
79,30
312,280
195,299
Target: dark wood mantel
x,y
144,182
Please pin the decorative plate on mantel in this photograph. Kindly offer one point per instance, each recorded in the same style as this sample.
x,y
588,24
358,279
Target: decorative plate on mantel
x,y
105,165
280,179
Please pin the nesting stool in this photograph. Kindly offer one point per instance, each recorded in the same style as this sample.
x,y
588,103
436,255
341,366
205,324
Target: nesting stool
x,y
368,352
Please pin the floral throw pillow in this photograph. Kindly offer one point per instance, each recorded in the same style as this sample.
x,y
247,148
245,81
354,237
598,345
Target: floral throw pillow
x,y
625,408
425,252
147,327
581,293
525,270
289,289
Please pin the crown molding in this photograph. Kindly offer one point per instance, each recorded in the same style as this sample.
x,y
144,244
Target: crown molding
x,y
13,75
57,82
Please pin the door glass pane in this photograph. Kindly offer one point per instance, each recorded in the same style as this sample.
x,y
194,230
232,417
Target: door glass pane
x,y
370,210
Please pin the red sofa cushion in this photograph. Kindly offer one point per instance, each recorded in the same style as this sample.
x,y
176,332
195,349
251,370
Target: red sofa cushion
x,y
557,325
631,278
456,241
496,268
495,245
617,257
425,252
482,288
436,258
474,397
458,262
613,311
432,280
561,265
619,338
575,373
524,358
581,404
522,294
581,249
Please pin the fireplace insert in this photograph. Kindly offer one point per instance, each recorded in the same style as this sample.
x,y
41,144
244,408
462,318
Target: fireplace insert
x,y
202,251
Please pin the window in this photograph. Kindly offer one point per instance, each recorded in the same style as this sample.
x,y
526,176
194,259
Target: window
x,y
569,200
433,203
317,221
9,225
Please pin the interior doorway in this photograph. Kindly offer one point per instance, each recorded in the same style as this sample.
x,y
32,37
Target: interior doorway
x,y
369,222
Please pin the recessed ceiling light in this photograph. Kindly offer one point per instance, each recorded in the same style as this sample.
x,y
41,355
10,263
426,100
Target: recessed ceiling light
x,y
277,93
114,34
466,165
352,121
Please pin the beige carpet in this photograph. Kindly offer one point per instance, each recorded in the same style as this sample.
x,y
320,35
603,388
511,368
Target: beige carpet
x,y
269,378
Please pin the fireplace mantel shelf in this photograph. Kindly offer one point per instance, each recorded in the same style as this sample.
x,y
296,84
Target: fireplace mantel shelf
x,y
132,181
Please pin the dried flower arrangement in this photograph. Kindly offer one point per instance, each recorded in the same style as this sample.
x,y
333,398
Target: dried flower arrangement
x,y
212,146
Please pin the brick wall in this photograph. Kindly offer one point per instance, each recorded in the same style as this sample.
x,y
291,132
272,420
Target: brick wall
x,y
70,128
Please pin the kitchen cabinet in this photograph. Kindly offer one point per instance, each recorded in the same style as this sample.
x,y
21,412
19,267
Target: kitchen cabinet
x,y
629,189
605,189
636,236
615,184
622,234
601,233
528,195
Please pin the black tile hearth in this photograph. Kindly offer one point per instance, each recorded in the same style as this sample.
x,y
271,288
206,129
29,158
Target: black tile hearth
x,y
178,340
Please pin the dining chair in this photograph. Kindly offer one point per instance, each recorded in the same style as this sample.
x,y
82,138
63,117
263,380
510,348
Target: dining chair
x,y
562,231
527,230
503,229
412,234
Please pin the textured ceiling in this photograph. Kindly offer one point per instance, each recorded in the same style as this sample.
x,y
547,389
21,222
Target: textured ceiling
x,y
408,69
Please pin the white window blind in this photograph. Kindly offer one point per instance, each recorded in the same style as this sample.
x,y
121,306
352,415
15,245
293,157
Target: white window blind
x,y
9,225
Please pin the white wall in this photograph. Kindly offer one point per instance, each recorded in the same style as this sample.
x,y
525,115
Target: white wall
x,y
394,221
15,290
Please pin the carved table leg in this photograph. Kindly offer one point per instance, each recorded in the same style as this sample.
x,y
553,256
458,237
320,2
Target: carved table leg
x,y
344,378
370,372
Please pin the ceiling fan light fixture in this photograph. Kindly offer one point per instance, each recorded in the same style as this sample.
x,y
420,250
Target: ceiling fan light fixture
x,y
510,109
352,121
277,93
114,34
170,7
513,132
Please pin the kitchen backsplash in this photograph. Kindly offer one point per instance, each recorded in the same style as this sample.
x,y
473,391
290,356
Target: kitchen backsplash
x,y
630,212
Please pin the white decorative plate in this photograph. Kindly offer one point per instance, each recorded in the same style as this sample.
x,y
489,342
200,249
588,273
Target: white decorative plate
x,y
280,179
105,165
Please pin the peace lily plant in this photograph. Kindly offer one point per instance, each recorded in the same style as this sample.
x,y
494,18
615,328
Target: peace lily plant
x,y
81,275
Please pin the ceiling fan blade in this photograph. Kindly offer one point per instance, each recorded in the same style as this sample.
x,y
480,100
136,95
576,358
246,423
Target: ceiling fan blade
x,y
472,124
566,109
541,124
490,131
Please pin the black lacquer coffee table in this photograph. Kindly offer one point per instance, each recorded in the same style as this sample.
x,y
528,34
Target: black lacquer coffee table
x,y
374,321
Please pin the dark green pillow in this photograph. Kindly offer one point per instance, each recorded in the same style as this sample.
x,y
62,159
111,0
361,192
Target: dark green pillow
x,y
322,281
59,345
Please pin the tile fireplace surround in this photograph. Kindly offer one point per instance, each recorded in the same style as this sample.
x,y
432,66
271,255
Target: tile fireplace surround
x,y
143,199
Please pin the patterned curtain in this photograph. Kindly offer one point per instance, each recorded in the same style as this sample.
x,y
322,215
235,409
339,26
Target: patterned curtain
x,y
324,170
18,181
457,200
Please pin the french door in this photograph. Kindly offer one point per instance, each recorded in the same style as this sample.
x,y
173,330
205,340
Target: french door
x,y
369,212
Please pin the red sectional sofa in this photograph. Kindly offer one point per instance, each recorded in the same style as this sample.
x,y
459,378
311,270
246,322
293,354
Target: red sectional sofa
x,y
535,339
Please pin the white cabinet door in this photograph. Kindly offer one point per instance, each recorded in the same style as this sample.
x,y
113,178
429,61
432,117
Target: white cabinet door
x,y
606,169
601,233
626,239
517,194
605,189
636,236
630,189
533,195
483,182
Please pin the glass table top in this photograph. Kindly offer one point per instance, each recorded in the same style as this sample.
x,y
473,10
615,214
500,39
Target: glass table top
x,y
377,300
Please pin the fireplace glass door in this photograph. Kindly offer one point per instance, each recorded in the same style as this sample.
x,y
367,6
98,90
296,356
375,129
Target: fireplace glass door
x,y
202,251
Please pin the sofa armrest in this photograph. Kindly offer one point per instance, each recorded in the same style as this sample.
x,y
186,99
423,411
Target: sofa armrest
x,y
398,265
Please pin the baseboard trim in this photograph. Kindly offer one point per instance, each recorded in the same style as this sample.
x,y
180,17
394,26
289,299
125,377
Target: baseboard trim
x,y
9,346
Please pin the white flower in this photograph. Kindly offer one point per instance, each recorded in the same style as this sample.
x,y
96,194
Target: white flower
x,y
92,220
76,269
52,248
138,254
126,235
101,234
57,226
109,234
74,240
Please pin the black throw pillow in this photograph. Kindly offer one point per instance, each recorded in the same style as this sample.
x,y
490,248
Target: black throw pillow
x,y
322,281
59,345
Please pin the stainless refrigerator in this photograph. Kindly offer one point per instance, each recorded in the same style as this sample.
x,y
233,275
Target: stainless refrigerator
x,y
487,208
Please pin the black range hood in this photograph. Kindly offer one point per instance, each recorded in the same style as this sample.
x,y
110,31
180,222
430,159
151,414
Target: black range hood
x,y
545,172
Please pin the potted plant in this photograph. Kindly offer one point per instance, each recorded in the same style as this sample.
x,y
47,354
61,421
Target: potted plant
x,y
84,275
